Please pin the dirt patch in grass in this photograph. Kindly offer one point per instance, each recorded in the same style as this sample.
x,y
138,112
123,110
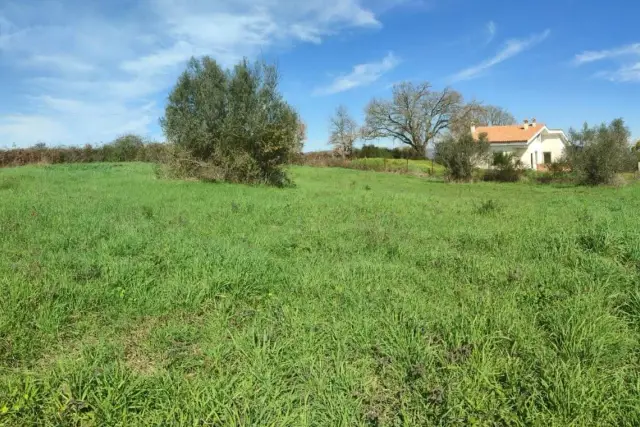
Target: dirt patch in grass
x,y
66,351
138,356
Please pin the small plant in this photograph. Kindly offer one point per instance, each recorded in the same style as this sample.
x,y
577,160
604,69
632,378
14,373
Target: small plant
x,y
147,212
8,183
487,207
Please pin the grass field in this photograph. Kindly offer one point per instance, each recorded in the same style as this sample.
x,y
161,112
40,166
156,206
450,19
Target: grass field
x,y
401,165
356,298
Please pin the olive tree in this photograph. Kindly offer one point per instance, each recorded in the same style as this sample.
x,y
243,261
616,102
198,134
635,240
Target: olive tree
x,y
461,155
234,123
416,115
598,153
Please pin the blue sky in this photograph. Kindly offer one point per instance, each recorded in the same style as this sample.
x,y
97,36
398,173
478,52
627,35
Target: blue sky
x,y
75,72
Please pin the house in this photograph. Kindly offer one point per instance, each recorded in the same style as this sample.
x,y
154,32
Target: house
x,y
533,143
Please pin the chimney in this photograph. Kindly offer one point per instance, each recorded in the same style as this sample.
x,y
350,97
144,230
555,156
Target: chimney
x,y
533,121
526,124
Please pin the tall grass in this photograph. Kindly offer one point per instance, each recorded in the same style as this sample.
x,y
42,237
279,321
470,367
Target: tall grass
x,y
353,299
377,164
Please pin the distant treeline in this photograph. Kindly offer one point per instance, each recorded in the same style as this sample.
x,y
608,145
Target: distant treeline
x,y
128,148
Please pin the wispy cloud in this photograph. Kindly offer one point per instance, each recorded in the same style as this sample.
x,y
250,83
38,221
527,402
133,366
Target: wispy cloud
x,y
627,72
511,49
492,29
624,74
59,63
599,55
361,75
86,74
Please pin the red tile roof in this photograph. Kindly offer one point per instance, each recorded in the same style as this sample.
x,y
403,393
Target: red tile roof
x,y
513,133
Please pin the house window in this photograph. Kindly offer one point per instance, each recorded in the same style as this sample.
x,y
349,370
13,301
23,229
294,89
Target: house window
x,y
547,157
537,158
532,164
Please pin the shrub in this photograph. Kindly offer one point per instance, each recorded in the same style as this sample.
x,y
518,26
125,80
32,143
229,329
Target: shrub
x,y
123,149
233,124
597,154
372,151
461,155
506,168
557,172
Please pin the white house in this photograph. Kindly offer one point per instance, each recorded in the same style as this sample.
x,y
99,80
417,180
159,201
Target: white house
x,y
533,143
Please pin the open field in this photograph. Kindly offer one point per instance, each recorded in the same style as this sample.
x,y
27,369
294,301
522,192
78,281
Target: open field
x,y
356,298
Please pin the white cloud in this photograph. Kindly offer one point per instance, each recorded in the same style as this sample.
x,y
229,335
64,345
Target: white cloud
x,y
511,49
361,75
62,63
73,122
80,77
491,31
15,127
626,73
599,55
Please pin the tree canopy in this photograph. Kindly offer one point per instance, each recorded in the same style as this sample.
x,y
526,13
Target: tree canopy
x,y
234,120
416,115
599,153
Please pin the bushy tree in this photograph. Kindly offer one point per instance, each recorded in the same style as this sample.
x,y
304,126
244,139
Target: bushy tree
x,y
125,148
461,155
636,150
416,115
598,153
343,132
233,124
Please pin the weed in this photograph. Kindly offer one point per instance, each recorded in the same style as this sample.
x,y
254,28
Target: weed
x,y
487,207
8,183
147,212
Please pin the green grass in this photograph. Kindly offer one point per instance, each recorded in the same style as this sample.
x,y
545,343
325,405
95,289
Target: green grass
x,y
356,298
400,165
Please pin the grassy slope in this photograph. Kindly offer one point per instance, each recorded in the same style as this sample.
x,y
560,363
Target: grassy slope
x,y
356,298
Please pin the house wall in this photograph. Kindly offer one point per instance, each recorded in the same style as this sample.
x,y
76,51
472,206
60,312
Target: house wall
x,y
534,148
543,143
493,148
554,145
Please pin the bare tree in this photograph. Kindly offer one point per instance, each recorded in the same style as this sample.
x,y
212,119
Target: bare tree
x,y
467,115
415,116
497,116
343,131
477,114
